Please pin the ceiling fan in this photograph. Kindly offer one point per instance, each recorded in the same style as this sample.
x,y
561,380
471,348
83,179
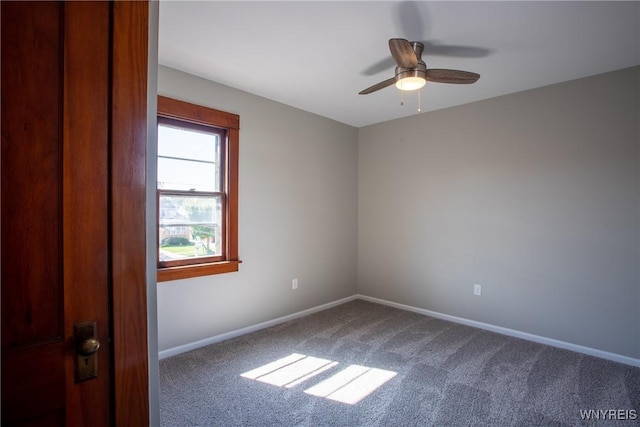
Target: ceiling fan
x,y
412,73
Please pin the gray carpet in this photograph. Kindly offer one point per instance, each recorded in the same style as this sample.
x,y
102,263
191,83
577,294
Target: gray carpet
x,y
428,372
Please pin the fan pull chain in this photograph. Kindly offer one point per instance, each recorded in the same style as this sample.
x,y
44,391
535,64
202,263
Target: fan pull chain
x,y
419,99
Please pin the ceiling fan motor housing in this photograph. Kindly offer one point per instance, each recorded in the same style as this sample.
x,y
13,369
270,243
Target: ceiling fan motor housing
x,y
419,71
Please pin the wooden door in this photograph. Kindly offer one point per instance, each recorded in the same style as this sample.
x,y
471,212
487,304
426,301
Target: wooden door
x,y
59,98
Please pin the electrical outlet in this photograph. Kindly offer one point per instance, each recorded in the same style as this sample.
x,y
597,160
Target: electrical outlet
x,y
294,284
477,289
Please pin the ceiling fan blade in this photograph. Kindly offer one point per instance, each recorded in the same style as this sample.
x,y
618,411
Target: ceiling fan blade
x,y
436,49
451,76
411,19
432,49
403,53
378,86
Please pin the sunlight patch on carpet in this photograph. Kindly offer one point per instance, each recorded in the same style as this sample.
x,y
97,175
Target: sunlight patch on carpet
x,y
290,371
350,385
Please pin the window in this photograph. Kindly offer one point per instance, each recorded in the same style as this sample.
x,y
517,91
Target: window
x,y
197,190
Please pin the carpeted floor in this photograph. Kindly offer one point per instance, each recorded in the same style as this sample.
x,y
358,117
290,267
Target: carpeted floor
x,y
364,364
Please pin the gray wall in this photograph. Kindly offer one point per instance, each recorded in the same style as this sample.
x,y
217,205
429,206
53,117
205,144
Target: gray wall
x,y
297,219
534,195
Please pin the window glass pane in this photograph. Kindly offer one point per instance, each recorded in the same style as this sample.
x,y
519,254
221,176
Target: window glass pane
x,y
190,226
188,159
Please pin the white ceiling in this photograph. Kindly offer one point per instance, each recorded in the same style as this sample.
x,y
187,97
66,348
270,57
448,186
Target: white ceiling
x,y
317,56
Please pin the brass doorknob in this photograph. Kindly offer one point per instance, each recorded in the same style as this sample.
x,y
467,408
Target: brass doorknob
x,y
86,346
89,346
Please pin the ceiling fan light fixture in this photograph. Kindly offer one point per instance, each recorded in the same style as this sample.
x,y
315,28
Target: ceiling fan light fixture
x,y
410,83
408,79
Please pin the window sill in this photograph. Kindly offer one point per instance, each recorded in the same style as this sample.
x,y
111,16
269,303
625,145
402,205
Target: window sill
x,y
188,271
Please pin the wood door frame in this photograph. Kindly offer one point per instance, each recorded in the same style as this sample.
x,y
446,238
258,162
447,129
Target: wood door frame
x,y
129,73
120,74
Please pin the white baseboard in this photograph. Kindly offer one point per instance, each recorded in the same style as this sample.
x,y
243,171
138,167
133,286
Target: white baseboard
x,y
510,332
486,326
253,328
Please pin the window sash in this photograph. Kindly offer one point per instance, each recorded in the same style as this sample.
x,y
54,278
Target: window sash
x,y
217,160
192,260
